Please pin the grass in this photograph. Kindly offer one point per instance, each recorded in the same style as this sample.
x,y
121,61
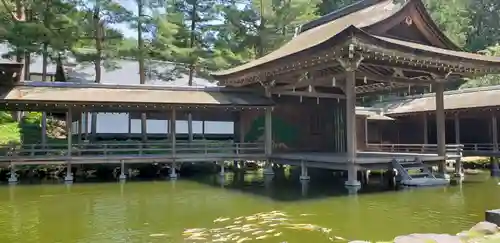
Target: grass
x,y
9,129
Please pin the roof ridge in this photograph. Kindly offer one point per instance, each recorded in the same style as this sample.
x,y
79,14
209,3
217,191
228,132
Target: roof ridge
x,y
130,86
338,13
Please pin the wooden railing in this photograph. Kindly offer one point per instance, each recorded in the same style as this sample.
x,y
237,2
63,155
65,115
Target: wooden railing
x,y
451,149
480,147
128,149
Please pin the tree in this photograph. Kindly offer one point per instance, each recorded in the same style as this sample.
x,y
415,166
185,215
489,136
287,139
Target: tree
x,y
95,21
485,22
453,17
261,26
328,6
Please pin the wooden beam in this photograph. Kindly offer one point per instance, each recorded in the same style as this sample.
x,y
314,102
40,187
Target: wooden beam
x,y
388,79
313,81
309,94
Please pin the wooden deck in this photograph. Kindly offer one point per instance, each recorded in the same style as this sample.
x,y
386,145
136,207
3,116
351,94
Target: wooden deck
x,y
379,157
481,149
129,153
338,161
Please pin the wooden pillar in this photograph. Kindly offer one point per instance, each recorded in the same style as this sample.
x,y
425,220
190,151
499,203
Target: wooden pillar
x,y
268,137
190,127
69,135
242,127
173,119
458,161
495,170
440,125
87,115
351,128
44,129
268,141
80,126
494,132
203,129
129,125
366,132
457,128
173,130
144,127
426,128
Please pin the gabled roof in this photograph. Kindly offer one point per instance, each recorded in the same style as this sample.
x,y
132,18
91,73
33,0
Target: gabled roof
x,y
362,17
322,37
354,7
321,34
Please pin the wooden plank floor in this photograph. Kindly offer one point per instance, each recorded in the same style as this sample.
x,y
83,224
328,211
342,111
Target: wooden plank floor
x,y
338,161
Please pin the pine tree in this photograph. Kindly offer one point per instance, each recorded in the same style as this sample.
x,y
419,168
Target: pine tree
x,y
100,43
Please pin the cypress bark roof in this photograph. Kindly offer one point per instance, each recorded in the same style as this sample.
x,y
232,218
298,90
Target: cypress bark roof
x,y
71,93
356,27
482,97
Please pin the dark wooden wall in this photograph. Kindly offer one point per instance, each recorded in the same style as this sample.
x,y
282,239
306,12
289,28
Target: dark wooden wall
x,y
475,127
318,127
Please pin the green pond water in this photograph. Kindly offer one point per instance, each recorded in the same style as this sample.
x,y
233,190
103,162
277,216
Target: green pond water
x,y
246,207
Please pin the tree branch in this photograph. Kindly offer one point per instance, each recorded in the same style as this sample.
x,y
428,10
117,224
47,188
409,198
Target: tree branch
x,y
9,10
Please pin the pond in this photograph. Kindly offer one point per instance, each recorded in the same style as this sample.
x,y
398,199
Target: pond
x,y
244,208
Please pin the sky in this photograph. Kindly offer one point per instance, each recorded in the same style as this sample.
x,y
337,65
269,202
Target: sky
x,y
124,28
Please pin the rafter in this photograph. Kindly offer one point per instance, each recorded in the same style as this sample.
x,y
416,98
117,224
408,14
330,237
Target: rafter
x,y
313,94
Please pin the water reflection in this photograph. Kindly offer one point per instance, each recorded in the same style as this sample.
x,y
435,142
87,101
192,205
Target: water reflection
x,y
158,212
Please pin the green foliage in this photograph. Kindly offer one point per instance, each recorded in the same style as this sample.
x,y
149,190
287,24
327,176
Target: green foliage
x,y
451,16
9,130
487,80
484,26
328,6
5,117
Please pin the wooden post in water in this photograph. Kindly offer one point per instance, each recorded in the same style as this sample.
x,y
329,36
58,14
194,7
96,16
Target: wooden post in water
x,y
69,135
458,162
350,85
268,137
440,126
173,174
122,176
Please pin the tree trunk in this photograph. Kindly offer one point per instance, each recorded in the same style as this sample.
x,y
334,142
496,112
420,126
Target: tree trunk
x,y
20,15
142,77
191,67
98,59
45,62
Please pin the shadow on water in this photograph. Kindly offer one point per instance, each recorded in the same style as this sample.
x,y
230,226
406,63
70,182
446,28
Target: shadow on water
x,y
288,187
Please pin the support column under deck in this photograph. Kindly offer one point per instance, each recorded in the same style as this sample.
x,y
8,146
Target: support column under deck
x,y
495,170
440,126
13,174
350,85
69,135
304,175
458,162
122,176
173,174
268,141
